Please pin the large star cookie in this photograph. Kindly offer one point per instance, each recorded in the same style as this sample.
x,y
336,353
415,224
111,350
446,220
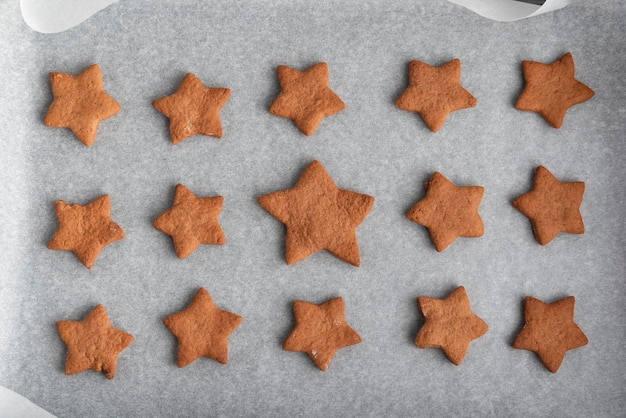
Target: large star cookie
x,y
551,89
85,230
202,330
449,324
191,221
434,92
193,109
305,97
318,216
552,206
320,331
92,343
448,211
549,330
80,103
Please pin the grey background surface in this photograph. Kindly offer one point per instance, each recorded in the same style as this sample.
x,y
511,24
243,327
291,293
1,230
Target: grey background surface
x,y
144,49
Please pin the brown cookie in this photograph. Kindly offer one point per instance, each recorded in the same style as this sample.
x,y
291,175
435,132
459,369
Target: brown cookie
x,y
549,330
551,89
191,221
320,331
193,109
434,92
318,216
92,343
85,230
448,211
202,330
305,97
80,103
552,206
449,324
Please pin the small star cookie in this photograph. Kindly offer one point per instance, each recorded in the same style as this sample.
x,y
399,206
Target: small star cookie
x,y
80,103
320,331
551,89
449,324
305,97
92,343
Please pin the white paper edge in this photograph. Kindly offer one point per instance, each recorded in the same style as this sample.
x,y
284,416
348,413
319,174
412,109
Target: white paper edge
x,y
509,10
13,405
53,16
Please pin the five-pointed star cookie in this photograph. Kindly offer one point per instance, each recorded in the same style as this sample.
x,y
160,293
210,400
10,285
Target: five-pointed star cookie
x,y
318,216
202,330
80,103
305,97
193,109
549,330
434,92
191,221
552,206
551,89
449,324
85,230
320,331
448,211
92,343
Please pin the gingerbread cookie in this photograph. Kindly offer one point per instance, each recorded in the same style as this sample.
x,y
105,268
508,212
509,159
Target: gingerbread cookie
x,y
80,103
320,331
549,330
551,89
202,330
85,230
552,206
92,343
449,324
434,92
305,97
448,211
193,109
191,221
318,216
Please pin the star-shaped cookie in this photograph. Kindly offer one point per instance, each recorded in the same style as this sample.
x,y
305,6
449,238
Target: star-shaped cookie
x,y
202,330
449,324
551,89
434,92
80,103
448,211
92,343
552,206
549,330
193,109
305,97
318,216
320,331
191,221
85,230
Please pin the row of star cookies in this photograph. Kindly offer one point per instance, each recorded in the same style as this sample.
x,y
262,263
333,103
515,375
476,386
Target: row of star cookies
x,y
202,330
80,102
318,215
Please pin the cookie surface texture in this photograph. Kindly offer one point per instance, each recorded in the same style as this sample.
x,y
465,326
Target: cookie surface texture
x,y
202,330
549,330
92,344
449,324
551,89
80,103
193,109
318,216
448,211
552,206
305,97
434,92
85,230
191,221
320,331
